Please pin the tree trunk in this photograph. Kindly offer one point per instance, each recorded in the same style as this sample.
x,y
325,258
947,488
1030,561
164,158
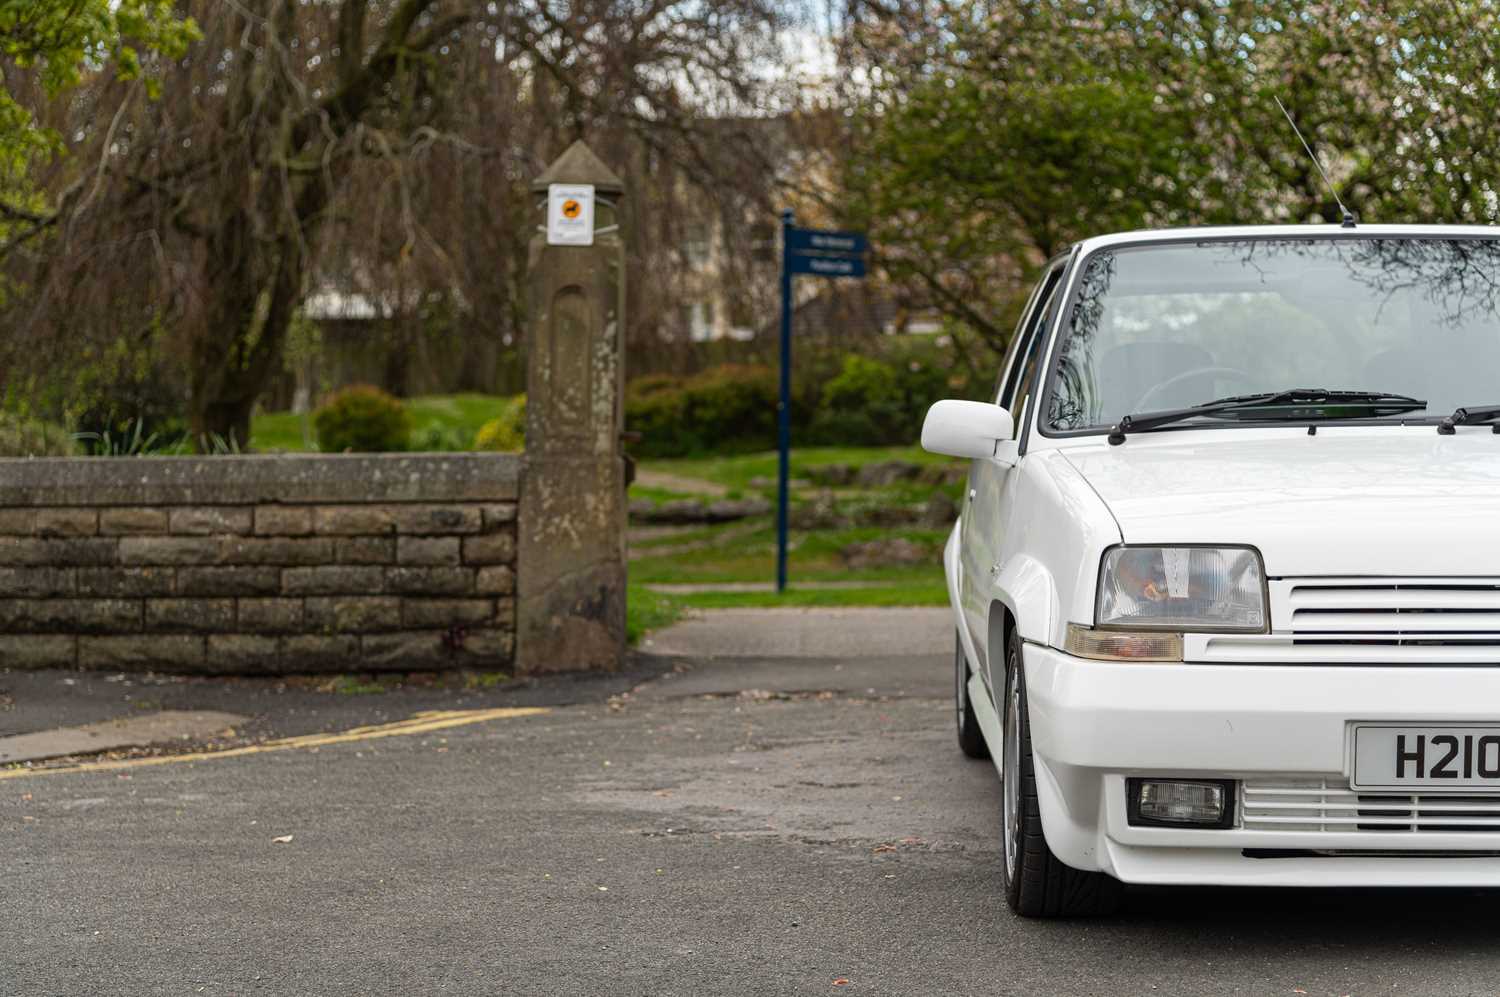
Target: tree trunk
x,y
259,266
226,422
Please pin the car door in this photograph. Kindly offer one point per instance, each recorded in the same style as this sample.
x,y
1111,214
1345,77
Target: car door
x,y
981,528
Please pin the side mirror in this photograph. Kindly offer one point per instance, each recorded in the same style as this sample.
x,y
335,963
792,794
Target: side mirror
x,y
965,429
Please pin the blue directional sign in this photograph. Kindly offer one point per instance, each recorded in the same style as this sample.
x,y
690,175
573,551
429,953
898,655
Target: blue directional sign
x,y
811,240
819,253
827,266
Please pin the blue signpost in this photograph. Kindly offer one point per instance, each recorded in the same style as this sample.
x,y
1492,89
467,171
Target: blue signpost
x,y
819,253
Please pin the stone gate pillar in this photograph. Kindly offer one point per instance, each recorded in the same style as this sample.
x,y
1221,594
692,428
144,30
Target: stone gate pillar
x,y
571,531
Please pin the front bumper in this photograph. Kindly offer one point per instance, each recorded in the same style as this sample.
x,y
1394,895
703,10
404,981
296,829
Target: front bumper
x,y
1096,723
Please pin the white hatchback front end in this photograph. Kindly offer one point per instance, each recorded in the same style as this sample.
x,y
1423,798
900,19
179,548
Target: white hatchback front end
x,y
1250,639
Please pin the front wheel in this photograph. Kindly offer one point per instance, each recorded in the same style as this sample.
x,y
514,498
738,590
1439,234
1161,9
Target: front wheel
x,y
1036,883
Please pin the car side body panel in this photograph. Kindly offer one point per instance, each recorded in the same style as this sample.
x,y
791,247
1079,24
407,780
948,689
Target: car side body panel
x,y
1042,491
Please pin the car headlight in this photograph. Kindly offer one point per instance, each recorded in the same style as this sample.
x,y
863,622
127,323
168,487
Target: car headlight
x,y
1182,588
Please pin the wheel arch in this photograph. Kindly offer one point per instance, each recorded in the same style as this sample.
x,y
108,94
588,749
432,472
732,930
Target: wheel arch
x,y
1025,593
1001,622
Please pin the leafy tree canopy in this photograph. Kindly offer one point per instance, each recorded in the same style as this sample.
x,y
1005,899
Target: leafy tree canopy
x,y
989,136
58,42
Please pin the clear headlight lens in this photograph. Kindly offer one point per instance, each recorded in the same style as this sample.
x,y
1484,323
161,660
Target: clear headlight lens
x,y
1182,588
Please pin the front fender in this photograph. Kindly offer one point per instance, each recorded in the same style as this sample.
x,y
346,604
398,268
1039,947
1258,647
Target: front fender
x,y
1027,589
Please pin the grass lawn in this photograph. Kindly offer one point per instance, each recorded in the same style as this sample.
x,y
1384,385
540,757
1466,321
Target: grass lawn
x,y
439,422
746,551
812,556
737,471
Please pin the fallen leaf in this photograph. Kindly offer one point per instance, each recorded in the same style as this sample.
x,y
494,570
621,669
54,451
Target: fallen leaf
x,y
841,982
285,839
878,849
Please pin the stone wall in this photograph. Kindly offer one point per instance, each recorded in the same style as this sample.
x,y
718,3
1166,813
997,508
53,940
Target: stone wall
x,y
285,564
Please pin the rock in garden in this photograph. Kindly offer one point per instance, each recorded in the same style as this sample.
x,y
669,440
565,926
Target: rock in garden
x,y
889,515
822,513
887,472
835,475
692,511
796,484
944,474
885,553
728,510
675,511
940,510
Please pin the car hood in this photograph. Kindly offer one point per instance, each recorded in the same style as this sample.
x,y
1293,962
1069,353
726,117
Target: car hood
x,y
1385,501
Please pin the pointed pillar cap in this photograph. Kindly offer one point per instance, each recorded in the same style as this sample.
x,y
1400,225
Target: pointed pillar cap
x,y
579,165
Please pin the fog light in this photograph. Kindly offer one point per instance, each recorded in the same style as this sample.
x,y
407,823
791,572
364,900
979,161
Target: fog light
x,y
1181,803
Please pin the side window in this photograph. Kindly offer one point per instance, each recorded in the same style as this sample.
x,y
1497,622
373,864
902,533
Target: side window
x,y
1009,365
1028,379
1021,375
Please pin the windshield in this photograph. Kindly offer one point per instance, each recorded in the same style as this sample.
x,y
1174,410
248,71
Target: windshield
x,y
1175,325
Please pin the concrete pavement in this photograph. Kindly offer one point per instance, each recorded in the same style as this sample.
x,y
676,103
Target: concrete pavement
x,y
808,633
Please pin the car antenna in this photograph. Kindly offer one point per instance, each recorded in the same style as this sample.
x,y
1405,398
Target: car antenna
x,y
1348,215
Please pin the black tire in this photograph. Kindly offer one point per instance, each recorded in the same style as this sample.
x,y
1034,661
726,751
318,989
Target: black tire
x,y
970,737
1039,885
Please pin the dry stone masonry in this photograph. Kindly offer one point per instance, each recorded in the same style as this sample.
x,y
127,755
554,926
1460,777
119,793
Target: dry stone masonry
x,y
272,564
352,562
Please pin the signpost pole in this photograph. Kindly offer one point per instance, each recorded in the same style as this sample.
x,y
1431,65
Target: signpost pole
x,y
784,408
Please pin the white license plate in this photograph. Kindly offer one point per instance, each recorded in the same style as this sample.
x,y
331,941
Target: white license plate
x,y
1387,756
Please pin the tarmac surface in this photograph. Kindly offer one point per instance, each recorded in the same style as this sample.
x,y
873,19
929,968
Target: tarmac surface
x,y
752,825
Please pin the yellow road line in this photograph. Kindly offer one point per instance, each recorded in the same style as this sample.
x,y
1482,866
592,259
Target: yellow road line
x,y
422,723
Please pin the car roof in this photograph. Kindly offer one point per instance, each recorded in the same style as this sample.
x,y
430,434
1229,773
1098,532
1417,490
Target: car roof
x,y
1207,232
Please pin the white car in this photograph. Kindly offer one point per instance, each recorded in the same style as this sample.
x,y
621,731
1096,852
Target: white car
x,y
1226,577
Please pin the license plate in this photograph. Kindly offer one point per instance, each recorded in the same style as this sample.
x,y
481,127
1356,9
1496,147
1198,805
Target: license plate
x,y
1388,756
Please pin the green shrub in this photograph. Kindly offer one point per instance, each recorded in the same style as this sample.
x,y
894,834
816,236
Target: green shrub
x,y
738,402
864,405
506,432
881,400
877,397
363,419
33,438
657,415
435,438
650,384
720,410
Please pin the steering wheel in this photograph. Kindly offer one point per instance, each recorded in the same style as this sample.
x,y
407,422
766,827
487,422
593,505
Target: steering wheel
x,y
1233,373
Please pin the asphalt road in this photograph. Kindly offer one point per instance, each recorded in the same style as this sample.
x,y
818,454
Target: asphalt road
x,y
743,827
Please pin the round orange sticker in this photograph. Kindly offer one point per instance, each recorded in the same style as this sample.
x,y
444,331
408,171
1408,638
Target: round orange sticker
x,y
571,208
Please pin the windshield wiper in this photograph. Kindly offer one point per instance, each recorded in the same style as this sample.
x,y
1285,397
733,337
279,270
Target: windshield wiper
x,y
1295,402
1470,417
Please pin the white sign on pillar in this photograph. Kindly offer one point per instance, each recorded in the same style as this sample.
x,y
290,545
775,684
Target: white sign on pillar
x,y
570,214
